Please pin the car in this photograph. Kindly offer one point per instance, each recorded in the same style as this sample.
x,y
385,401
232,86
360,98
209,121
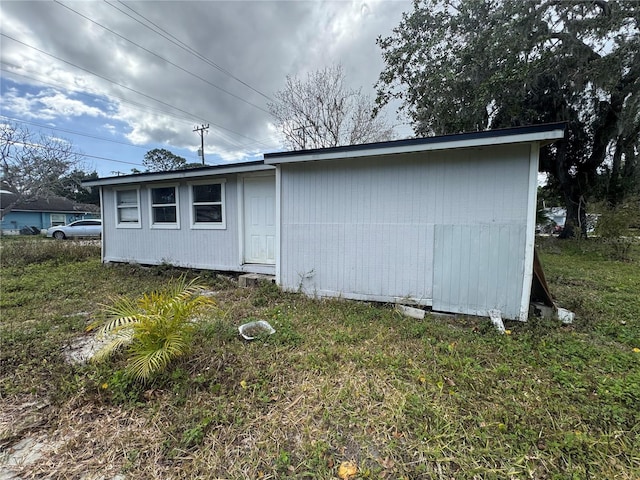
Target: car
x,y
79,228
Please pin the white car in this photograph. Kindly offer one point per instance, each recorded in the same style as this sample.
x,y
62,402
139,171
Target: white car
x,y
79,228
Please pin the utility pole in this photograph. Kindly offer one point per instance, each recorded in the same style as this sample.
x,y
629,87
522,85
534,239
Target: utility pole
x,y
201,129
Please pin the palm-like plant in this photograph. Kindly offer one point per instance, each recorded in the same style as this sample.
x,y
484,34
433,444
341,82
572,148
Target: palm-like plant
x,y
156,328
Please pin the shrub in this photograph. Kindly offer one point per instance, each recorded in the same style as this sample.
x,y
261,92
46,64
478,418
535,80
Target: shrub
x,y
156,328
614,227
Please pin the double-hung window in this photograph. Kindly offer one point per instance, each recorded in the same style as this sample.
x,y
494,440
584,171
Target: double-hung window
x,y
207,205
164,207
58,219
128,208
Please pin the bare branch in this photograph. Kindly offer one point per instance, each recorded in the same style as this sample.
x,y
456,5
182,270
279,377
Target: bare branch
x,y
322,112
33,164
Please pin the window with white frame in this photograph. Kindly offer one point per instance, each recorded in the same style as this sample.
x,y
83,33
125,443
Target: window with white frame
x,y
128,208
58,219
164,207
207,205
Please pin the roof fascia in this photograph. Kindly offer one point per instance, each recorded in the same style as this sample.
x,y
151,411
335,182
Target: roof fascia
x,y
544,137
176,175
42,210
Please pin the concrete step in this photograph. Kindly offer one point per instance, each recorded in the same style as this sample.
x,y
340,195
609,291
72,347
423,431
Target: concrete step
x,y
255,279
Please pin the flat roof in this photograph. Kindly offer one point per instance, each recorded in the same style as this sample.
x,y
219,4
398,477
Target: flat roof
x,y
544,133
210,170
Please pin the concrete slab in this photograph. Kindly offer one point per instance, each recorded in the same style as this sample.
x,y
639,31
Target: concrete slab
x,y
411,311
255,279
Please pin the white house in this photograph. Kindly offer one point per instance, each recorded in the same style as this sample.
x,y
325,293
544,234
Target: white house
x,y
446,222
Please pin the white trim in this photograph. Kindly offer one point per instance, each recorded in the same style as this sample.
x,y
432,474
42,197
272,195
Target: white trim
x,y
119,224
413,148
240,217
175,176
241,230
424,302
248,268
530,235
223,203
164,225
278,206
57,214
102,216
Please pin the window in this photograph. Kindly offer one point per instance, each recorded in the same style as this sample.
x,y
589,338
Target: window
x,y
128,208
207,205
58,219
164,207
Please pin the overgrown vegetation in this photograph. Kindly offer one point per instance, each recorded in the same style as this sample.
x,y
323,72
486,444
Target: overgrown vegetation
x,y
339,381
618,226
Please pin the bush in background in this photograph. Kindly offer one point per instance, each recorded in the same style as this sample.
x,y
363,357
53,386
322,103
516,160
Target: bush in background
x,y
619,227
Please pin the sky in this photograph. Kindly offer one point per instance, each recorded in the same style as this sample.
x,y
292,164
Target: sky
x,y
118,79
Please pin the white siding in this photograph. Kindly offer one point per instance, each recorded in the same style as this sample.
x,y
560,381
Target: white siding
x,y
366,228
479,267
187,247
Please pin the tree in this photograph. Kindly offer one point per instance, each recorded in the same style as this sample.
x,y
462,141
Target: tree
x,y
161,160
34,165
460,65
71,187
323,112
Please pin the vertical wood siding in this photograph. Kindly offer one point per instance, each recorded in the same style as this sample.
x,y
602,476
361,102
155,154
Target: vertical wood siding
x,y
210,249
477,268
367,228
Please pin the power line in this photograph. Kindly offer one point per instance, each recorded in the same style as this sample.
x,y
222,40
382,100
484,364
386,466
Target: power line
x,y
97,75
37,145
176,41
188,72
138,106
72,132
125,87
141,106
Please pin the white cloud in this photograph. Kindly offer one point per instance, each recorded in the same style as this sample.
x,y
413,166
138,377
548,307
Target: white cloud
x,y
46,105
259,43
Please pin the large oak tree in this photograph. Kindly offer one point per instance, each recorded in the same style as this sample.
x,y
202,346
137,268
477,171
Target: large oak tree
x,y
462,65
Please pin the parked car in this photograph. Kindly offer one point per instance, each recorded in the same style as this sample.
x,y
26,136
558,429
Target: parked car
x,y
79,228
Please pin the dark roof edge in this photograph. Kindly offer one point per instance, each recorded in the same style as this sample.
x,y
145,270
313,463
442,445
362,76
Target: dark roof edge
x,y
499,132
144,175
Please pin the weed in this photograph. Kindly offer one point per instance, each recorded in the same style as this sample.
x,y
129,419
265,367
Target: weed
x,y
339,381
22,252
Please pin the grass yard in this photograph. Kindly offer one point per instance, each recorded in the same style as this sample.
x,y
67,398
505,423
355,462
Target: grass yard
x,y
339,381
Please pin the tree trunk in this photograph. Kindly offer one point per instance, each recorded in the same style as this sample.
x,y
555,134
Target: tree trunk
x,y
614,192
576,220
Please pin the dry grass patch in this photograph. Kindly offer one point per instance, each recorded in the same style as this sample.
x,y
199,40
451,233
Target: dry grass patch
x,y
339,381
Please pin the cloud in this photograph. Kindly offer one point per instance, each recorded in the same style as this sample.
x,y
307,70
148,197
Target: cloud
x,y
214,63
46,105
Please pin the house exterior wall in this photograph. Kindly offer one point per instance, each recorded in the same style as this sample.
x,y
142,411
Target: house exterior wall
x,y
215,249
442,228
15,220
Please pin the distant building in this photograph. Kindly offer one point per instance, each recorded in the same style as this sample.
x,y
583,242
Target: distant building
x,y
40,213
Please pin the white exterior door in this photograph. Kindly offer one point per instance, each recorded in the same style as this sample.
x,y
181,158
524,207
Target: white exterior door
x,y
260,220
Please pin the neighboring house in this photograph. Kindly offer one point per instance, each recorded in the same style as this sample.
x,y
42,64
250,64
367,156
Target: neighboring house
x,y
446,222
41,213
557,216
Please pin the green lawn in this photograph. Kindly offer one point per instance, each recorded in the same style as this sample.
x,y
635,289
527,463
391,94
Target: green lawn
x,y
339,381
